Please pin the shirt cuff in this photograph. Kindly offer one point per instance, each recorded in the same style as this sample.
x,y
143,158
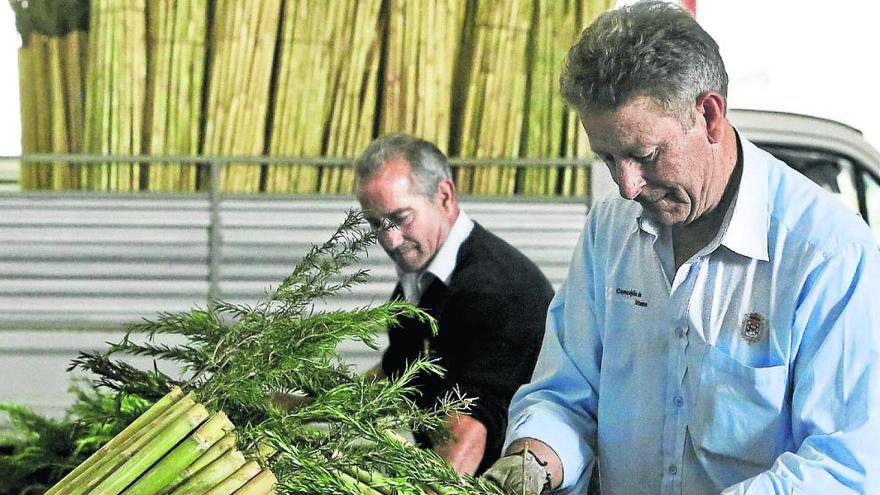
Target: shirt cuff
x,y
554,430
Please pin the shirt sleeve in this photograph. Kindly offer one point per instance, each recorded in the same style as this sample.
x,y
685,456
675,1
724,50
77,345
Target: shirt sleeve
x,y
559,406
835,401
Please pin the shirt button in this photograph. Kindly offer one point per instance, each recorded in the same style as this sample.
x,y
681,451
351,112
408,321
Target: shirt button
x,y
681,332
673,469
678,401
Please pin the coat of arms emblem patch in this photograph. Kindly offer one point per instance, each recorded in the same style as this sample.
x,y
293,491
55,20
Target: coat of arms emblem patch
x,y
753,327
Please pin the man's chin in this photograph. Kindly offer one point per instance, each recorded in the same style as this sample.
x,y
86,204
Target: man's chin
x,y
407,266
665,217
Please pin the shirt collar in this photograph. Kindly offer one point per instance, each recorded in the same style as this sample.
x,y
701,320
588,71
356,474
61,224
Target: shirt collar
x,y
443,263
749,226
745,230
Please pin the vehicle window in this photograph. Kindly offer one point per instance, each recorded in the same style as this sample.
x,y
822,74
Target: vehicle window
x,y
872,202
831,171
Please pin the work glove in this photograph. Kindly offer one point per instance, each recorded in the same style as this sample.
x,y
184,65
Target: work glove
x,y
519,474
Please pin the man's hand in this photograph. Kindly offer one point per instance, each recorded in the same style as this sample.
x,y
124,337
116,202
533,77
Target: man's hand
x,y
519,474
465,449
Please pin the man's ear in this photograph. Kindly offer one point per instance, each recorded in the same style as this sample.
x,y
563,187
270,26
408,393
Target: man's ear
x,y
445,196
710,106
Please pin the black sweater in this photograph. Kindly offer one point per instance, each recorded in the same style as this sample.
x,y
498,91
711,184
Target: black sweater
x,y
491,323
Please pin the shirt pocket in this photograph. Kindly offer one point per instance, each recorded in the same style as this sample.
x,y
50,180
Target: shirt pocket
x,y
739,410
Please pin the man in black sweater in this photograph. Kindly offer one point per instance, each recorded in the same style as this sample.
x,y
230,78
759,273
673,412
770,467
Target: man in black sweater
x,y
489,300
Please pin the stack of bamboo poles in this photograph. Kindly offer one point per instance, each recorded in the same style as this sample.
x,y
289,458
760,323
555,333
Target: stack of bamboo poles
x,y
422,48
175,447
177,32
115,96
243,41
492,121
302,95
575,181
555,29
357,51
322,78
51,79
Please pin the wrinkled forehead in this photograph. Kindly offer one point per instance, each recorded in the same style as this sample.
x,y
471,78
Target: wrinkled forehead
x,y
629,128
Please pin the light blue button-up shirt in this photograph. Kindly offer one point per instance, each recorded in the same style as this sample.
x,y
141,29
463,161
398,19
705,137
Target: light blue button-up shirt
x,y
753,368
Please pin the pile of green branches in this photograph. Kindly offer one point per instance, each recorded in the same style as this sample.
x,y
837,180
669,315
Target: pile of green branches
x,y
38,451
235,358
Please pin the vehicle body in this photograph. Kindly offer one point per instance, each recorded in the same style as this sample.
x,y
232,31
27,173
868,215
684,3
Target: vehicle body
x,y
832,154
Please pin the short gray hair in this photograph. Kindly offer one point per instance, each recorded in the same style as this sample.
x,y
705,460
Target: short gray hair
x,y
428,164
650,48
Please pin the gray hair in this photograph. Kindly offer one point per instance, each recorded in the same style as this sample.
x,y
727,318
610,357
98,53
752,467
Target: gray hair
x,y
428,164
650,48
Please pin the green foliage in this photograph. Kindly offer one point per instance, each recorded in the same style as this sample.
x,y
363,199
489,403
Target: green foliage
x,y
235,357
42,450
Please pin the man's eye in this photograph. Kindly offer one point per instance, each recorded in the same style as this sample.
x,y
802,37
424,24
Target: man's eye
x,y
648,158
375,223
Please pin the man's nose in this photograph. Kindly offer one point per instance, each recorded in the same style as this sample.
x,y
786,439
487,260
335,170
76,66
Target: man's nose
x,y
391,238
630,179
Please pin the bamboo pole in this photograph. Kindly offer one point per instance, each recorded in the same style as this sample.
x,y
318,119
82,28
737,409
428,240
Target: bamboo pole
x,y
74,70
236,480
116,456
58,173
220,448
151,414
140,459
164,472
212,474
114,119
198,44
27,78
42,92
261,484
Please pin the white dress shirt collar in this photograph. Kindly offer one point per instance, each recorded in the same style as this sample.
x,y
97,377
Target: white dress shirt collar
x,y
443,263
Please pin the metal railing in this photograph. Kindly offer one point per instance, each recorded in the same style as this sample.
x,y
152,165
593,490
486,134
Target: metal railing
x,y
214,194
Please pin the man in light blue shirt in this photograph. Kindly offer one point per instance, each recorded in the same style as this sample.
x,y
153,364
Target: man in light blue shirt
x,y
719,329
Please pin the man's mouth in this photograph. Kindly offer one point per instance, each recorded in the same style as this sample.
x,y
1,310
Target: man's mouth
x,y
402,252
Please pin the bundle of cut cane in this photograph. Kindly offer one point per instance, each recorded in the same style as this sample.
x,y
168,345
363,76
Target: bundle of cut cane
x,y
51,81
354,96
575,180
493,113
175,447
243,39
177,48
114,102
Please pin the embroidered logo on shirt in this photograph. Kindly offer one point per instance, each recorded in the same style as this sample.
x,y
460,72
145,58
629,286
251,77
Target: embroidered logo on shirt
x,y
753,327
636,295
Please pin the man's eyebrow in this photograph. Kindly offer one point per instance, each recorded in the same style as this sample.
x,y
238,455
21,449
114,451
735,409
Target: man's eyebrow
x,y
390,214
